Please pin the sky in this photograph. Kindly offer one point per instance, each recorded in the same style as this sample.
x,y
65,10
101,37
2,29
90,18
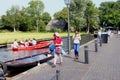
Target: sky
x,y
51,6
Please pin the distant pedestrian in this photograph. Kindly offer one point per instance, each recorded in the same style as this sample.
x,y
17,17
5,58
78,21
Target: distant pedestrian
x,y
109,34
58,48
119,32
76,42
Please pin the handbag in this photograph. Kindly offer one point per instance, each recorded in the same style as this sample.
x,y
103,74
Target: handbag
x,y
58,50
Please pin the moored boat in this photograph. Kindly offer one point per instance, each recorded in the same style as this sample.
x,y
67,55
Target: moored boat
x,y
37,46
27,62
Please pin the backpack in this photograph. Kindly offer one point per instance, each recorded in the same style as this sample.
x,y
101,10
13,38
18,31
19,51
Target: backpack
x,y
51,47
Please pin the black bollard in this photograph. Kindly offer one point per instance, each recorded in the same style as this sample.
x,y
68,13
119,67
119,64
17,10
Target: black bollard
x,y
100,43
86,55
57,74
96,46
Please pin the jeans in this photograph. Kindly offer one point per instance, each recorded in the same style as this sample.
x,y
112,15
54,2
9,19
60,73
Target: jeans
x,y
76,49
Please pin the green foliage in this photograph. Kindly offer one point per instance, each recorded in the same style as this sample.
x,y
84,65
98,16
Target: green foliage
x,y
46,17
12,19
91,16
26,19
55,30
4,31
110,13
35,8
77,14
82,13
61,14
42,26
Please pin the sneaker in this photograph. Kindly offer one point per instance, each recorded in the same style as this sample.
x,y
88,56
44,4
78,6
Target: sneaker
x,y
60,63
77,57
53,65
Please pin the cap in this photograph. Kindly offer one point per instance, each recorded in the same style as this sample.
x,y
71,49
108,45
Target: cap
x,y
56,34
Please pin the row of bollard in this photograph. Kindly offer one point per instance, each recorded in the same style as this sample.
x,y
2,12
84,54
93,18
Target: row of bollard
x,y
86,56
57,74
96,46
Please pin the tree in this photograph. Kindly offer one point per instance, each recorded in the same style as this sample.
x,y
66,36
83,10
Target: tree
x,y
61,14
42,26
110,13
46,17
35,11
118,0
77,8
12,19
91,15
25,21
78,11
27,18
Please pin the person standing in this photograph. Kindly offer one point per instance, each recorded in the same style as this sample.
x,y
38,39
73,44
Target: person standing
x,y
109,34
58,48
76,42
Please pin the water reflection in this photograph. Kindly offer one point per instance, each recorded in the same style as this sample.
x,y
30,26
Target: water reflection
x,y
6,55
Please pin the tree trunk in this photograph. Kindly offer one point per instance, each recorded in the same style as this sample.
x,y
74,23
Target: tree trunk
x,y
88,30
14,29
88,26
37,24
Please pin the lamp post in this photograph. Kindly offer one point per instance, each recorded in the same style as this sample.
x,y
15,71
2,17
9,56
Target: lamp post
x,y
67,2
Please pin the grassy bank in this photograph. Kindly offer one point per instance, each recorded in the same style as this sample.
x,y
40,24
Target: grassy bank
x,y
10,36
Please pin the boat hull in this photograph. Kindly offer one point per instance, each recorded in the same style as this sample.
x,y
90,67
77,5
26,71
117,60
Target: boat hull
x,y
27,62
38,46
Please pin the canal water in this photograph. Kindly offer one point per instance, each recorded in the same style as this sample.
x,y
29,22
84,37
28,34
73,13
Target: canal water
x,y
7,54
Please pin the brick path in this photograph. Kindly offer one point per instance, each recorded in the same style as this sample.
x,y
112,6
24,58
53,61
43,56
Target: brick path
x,y
103,65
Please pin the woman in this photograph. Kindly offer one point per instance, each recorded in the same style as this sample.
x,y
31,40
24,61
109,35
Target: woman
x,y
58,49
76,42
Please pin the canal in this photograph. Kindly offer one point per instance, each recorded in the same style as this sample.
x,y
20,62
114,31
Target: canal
x,y
7,54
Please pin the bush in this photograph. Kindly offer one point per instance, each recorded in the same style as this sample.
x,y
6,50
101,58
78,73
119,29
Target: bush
x,y
42,26
55,30
4,31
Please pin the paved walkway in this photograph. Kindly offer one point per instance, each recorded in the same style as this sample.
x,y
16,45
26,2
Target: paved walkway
x,y
103,65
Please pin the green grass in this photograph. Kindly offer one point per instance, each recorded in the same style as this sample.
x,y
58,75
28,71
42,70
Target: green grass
x,y
10,36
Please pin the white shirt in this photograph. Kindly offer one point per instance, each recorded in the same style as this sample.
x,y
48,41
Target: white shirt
x,y
15,44
99,33
76,38
34,42
109,32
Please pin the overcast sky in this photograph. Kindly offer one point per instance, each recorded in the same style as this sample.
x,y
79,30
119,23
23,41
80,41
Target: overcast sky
x,y
51,6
